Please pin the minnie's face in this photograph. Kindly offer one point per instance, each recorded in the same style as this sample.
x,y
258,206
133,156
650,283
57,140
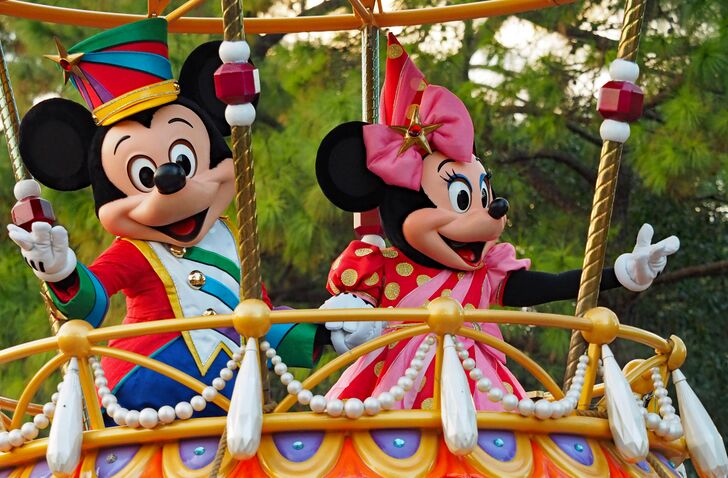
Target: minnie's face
x,y
458,232
172,193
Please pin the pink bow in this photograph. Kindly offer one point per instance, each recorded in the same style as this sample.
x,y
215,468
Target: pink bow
x,y
454,139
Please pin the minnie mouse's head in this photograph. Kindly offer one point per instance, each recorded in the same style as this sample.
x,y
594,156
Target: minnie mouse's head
x,y
161,171
433,195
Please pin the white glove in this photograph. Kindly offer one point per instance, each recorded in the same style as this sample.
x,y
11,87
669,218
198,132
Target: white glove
x,y
637,269
347,335
45,249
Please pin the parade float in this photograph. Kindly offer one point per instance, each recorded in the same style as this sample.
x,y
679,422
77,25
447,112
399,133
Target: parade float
x,y
605,421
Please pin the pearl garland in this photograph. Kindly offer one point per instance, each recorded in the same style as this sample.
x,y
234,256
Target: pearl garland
x,y
542,409
352,408
29,430
666,424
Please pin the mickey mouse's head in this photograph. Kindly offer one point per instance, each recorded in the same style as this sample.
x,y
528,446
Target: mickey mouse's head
x,y
162,174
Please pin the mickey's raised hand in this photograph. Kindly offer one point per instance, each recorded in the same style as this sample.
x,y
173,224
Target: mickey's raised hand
x,y
45,249
637,269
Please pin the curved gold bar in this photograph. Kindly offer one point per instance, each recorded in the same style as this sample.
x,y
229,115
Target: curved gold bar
x,y
90,396
645,338
10,405
33,385
159,367
49,344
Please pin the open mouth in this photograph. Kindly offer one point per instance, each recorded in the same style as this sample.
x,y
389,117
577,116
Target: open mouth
x,y
186,229
470,252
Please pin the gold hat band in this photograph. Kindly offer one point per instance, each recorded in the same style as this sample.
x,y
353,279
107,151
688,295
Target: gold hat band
x,y
135,101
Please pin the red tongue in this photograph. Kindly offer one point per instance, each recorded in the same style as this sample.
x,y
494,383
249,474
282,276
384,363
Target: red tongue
x,y
183,227
466,254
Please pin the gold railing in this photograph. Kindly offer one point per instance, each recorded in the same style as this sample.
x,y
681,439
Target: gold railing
x,y
252,318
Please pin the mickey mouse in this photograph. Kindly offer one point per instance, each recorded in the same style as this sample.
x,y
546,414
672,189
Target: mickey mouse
x,y
438,210
154,153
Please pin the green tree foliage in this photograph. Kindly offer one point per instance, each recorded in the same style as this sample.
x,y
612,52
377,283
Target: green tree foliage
x,y
529,82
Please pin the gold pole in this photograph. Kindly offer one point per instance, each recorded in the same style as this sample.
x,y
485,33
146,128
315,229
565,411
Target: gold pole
x,y
604,191
10,120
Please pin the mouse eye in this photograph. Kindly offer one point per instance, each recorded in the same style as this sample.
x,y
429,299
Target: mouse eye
x,y
141,173
183,154
484,190
459,192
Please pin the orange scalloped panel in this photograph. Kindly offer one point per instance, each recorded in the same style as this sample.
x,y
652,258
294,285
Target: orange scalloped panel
x,y
574,455
351,465
451,466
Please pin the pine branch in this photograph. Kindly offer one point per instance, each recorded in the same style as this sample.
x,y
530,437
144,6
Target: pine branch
x,y
557,156
691,272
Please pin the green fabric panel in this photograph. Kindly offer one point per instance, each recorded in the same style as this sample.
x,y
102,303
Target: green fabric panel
x,y
296,348
152,29
83,302
213,259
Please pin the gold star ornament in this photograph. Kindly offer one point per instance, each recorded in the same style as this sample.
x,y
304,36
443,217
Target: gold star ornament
x,y
416,133
69,62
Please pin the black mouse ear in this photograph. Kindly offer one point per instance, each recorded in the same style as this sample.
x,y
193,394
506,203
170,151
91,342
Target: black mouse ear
x,y
55,136
341,170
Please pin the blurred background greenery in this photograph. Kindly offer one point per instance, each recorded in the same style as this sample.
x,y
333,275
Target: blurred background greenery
x,y
529,82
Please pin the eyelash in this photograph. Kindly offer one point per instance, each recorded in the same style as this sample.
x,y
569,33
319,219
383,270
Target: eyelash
x,y
452,176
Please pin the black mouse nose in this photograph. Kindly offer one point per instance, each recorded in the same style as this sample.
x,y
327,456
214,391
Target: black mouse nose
x,y
498,208
169,178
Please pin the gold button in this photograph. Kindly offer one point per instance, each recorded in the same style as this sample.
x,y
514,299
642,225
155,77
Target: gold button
x,y
196,279
209,311
177,251
349,277
394,51
364,251
391,291
372,280
404,269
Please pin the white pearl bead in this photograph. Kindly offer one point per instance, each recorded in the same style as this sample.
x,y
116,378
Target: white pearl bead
x,y
584,359
287,378
41,421
417,364
29,431
459,346
463,354
95,365
218,383
430,340
495,395
103,391
120,416
667,410
232,365
353,408
557,410
54,397
294,387
276,360
372,406
476,374
573,394
652,420
270,353
569,403
406,383
420,355
578,381
132,419
318,403
424,347
411,373
386,400
669,417
664,401
166,414
234,51
112,408
209,393
581,367
60,386
661,392
226,374
5,442
334,408
237,357
148,418
623,70
543,409
101,382
183,410
280,369
264,345
483,385
98,372
240,115
304,397
510,402
658,384
468,364
15,437
49,409
107,400
616,131
675,430
198,403
663,428
526,406
397,392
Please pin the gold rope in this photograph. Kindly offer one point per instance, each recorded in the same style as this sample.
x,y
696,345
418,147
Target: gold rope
x,y
596,242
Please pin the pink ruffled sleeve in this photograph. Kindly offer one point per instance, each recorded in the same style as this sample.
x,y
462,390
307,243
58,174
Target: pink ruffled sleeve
x,y
500,261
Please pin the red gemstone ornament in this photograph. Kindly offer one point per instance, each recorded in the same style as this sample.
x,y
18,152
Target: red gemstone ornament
x,y
237,83
620,101
32,209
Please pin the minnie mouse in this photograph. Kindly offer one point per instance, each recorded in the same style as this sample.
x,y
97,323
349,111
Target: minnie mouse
x,y
438,210
154,153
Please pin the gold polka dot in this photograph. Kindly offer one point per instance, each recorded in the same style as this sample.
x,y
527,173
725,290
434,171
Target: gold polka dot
x,y
446,293
461,275
390,253
427,404
394,51
378,368
469,307
336,263
422,278
508,387
391,291
333,288
363,252
404,269
392,345
349,277
372,280
422,86
422,384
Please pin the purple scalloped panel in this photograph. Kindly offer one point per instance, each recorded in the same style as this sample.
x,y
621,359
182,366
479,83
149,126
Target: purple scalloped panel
x,y
576,447
397,443
668,464
500,444
298,446
110,461
5,472
644,466
197,453
41,470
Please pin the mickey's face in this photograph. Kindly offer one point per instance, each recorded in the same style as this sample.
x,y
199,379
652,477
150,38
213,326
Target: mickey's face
x,y
458,232
173,195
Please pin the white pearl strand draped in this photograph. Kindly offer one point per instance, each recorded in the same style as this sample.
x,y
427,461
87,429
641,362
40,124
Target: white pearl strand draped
x,y
29,430
667,424
353,407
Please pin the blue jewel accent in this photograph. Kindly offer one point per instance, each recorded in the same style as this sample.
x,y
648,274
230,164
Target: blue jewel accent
x,y
499,442
200,450
297,445
398,442
579,447
672,465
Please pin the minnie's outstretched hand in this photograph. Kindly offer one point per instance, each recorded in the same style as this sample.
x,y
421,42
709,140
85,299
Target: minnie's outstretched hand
x,y
45,249
637,269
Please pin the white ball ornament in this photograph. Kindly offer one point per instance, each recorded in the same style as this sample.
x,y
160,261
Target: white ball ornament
x,y
132,419
287,378
270,353
623,70
49,409
675,431
198,403
112,408
334,408
240,115
183,410
468,364
663,428
557,410
510,402
226,374
280,369
476,374
5,442
411,373
406,383
304,397
101,382
41,421
232,365
543,409
294,387
15,437
107,400
652,420
495,395
318,404
483,385
616,131
26,188
526,407
353,408
209,393
166,414
148,418
372,406
397,392
386,400
104,391
417,364
29,431
276,360
120,416
218,383
234,51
